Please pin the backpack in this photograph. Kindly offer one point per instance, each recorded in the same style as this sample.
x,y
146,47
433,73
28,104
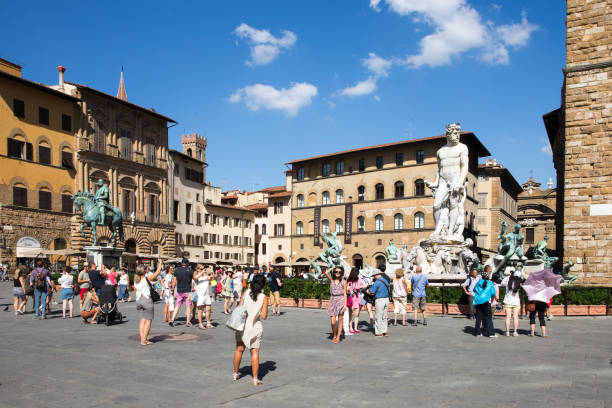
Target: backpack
x,y
29,290
40,282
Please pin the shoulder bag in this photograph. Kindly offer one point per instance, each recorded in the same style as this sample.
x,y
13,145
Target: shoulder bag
x,y
237,318
154,295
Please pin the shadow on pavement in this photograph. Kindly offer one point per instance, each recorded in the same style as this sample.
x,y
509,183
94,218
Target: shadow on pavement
x,y
264,368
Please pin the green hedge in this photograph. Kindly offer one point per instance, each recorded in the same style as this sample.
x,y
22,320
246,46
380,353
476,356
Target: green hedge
x,y
576,295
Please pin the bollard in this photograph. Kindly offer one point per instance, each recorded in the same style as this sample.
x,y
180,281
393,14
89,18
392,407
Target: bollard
x,y
608,302
565,298
443,299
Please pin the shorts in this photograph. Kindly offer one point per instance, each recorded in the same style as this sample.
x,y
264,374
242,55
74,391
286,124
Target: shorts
x,y
67,294
183,297
144,306
204,299
194,297
168,298
275,298
84,291
511,307
18,292
399,304
419,303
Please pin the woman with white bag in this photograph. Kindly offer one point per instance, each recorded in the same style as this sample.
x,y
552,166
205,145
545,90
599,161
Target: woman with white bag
x,y
256,304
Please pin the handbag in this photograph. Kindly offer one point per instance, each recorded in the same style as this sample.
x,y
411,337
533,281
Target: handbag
x,y
531,306
237,318
154,295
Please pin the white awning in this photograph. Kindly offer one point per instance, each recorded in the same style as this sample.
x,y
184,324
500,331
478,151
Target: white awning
x,y
29,252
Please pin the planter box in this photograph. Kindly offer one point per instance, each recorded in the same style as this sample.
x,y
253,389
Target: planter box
x,y
559,310
312,303
574,310
288,302
324,304
597,310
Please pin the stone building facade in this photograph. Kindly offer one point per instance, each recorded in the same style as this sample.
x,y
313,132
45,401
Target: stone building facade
x,y
371,195
580,137
279,221
497,198
536,212
126,146
38,170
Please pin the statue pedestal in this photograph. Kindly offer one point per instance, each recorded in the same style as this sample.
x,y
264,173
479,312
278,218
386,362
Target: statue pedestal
x,y
107,256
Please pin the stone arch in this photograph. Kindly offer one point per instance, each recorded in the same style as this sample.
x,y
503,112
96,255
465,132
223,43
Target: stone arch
x,y
65,189
104,233
131,232
378,257
131,246
97,174
18,180
127,181
278,258
312,199
153,187
65,145
18,132
44,184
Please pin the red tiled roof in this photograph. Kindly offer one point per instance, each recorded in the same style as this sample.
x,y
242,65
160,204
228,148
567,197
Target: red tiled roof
x,y
482,151
280,194
232,207
276,188
257,206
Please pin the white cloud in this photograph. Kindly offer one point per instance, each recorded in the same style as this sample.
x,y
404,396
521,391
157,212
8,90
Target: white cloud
x,y
546,149
361,88
458,28
264,46
377,65
289,100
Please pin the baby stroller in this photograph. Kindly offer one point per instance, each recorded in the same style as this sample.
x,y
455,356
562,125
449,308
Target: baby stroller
x,y
108,306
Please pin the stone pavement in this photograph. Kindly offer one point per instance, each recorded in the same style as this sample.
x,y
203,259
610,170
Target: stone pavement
x,y
64,363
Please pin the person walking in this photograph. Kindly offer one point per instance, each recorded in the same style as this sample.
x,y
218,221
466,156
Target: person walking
x,y
419,300
66,281
84,283
468,289
400,296
512,302
380,291
275,284
227,293
40,280
19,289
337,302
90,306
256,303
144,303
484,291
354,284
124,282
204,302
169,285
184,279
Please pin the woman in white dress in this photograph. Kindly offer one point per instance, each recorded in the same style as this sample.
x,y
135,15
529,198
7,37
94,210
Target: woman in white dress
x,y
202,279
256,303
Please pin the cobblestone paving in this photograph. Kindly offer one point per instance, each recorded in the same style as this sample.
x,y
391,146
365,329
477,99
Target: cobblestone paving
x,y
64,363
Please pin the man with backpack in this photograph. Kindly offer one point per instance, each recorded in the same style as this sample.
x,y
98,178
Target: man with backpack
x,y
275,284
419,283
468,289
41,281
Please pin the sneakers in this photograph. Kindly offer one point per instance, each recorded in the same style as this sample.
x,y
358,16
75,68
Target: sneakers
x,y
493,336
507,334
515,334
424,322
349,333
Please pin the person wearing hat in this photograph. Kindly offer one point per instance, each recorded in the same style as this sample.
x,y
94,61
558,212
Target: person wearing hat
x,y
184,278
380,291
484,291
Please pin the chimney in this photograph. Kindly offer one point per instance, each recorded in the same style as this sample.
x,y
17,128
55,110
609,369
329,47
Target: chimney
x,y
61,69
550,183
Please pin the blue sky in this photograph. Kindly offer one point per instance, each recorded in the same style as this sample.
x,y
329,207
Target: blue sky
x,y
271,81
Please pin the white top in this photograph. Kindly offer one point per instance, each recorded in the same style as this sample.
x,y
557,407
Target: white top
x,y
237,282
142,288
123,280
398,288
65,280
202,286
510,298
166,282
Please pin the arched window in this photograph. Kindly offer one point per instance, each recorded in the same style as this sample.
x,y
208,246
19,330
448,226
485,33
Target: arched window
x,y
17,147
59,243
325,198
398,222
299,228
419,188
361,193
44,152
339,196
300,200
339,225
379,223
189,152
256,229
380,191
360,224
67,202
263,229
325,226
419,220
44,199
399,189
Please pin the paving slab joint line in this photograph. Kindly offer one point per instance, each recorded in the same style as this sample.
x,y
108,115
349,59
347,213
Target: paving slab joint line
x,y
253,393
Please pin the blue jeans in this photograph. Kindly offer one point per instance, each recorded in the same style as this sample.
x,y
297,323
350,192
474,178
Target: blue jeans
x,y
40,296
123,293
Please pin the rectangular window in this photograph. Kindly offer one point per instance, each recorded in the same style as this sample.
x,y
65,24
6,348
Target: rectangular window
x,y
125,144
198,218
481,241
263,249
44,155
188,213
66,203
326,169
43,115
361,164
20,196
18,108
206,218
420,156
278,208
379,162
150,153
340,167
44,200
14,148
399,159
279,230
175,208
300,174
481,220
529,235
482,200
67,160
66,123
225,221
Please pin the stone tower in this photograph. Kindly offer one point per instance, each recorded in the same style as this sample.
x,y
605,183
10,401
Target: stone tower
x,y
581,138
195,146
